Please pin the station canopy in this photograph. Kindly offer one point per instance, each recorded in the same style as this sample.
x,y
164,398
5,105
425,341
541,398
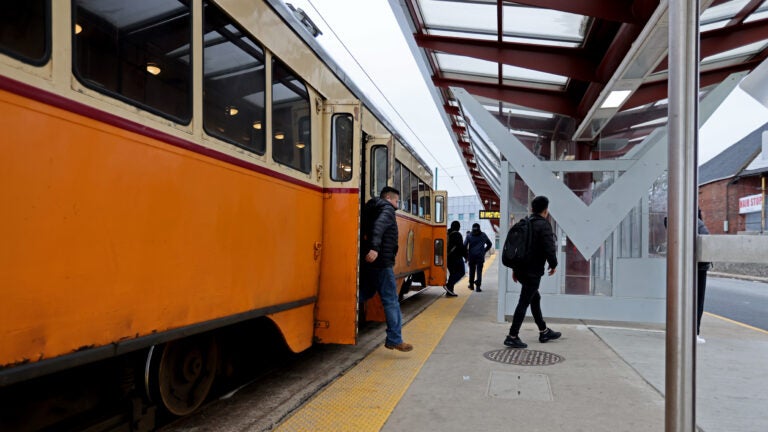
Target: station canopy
x,y
586,79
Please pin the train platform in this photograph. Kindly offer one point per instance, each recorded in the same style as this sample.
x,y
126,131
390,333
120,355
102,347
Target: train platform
x,y
597,377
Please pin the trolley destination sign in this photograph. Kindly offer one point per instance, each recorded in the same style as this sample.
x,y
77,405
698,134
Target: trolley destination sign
x,y
489,214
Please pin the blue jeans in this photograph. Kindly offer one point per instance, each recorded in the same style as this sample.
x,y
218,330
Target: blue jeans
x,y
385,285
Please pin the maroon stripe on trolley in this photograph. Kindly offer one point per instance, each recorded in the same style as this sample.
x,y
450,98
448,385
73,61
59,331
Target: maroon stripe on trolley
x,y
69,105
342,190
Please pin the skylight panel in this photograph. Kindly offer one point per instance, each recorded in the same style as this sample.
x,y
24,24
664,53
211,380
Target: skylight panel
x,y
547,24
736,52
459,15
722,11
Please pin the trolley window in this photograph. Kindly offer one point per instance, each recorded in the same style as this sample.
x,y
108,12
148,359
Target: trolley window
x,y
341,147
425,196
291,133
234,82
396,182
379,171
414,194
25,30
405,200
439,209
139,52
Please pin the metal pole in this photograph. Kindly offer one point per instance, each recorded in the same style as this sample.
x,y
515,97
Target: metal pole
x,y
680,393
762,207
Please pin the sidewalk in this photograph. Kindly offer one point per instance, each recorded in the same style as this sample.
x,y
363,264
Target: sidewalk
x,y
611,377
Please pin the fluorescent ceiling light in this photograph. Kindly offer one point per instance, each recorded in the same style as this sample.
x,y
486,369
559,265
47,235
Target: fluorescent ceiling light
x,y
616,98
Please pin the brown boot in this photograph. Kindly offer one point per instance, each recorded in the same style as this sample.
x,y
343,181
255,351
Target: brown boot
x,y
402,346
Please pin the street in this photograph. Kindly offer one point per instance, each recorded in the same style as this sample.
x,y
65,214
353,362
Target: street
x,y
739,300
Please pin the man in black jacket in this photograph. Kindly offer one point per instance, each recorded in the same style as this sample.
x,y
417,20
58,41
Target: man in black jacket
x,y
380,258
542,249
457,253
477,244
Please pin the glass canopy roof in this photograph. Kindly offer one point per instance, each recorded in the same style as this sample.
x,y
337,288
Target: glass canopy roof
x,y
545,68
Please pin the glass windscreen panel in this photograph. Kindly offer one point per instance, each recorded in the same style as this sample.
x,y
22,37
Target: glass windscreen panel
x,y
291,125
741,51
25,32
342,133
379,169
138,52
234,81
439,209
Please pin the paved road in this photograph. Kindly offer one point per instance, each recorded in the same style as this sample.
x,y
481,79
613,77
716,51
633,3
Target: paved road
x,y
739,300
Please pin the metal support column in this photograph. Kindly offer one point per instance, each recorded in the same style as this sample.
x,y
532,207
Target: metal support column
x,y
680,388
507,190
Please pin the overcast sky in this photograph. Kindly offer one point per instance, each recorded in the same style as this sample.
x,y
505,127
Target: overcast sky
x,y
368,44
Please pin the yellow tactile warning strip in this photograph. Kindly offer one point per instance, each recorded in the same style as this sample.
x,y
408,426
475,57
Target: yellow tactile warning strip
x,y
737,322
362,399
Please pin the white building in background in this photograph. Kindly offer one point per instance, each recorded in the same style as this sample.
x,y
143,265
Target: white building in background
x,y
466,210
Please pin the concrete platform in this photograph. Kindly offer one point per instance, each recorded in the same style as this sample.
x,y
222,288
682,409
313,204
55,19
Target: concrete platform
x,y
603,376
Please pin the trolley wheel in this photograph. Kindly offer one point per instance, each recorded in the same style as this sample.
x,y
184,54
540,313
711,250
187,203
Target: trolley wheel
x,y
185,373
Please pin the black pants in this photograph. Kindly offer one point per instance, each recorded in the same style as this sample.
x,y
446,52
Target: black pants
x,y
701,285
456,270
476,272
529,296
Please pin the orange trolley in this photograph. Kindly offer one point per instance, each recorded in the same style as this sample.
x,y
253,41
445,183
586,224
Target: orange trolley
x,y
173,169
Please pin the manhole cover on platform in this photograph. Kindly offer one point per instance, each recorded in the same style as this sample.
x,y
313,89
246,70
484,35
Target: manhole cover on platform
x,y
523,357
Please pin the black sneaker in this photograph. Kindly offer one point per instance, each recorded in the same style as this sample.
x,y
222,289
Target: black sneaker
x,y
548,335
471,288
514,342
477,289
449,292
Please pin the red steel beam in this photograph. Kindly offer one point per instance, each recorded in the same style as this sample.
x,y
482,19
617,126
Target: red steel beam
x,y
611,10
545,100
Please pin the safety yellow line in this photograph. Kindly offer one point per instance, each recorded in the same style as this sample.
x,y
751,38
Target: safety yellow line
x,y
737,323
363,398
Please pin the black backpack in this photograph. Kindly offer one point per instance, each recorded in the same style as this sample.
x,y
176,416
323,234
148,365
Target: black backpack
x,y
517,246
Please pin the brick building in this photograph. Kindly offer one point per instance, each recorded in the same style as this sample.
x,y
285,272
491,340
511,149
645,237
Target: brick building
x,y
730,186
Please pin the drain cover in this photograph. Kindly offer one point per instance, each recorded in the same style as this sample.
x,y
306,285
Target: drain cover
x,y
523,357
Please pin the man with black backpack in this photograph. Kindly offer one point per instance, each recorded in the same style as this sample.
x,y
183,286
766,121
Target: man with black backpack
x,y
540,249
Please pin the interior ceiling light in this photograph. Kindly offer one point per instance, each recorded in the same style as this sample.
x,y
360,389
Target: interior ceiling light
x,y
279,135
616,98
348,168
300,145
78,29
152,68
257,125
232,111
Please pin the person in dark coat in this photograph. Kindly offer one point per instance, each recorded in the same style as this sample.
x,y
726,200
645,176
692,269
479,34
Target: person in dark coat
x,y
701,283
542,250
477,244
380,248
457,254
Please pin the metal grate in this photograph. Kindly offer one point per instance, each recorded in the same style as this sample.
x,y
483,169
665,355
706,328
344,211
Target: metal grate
x,y
523,357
